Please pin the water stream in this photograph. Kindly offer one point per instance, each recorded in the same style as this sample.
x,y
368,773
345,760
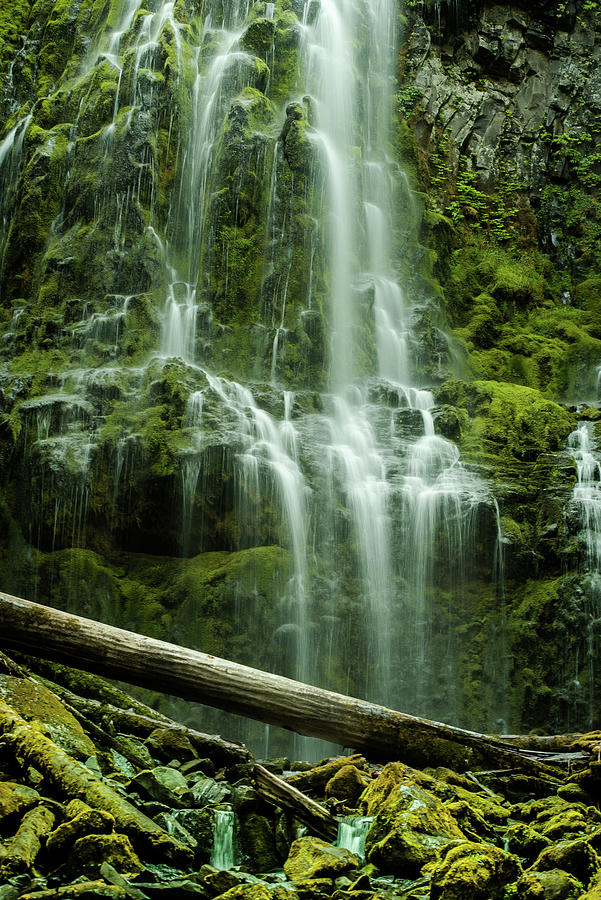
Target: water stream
x,y
374,509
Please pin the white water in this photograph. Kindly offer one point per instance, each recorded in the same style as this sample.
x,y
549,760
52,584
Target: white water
x,y
359,503
352,832
222,856
586,495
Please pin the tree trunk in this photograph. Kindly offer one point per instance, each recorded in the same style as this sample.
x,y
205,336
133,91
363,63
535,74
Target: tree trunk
x,y
308,710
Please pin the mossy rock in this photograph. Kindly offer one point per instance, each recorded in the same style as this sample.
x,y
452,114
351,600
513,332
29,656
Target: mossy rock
x,y
525,840
86,821
91,851
473,872
15,799
410,829
392,775
509,420
552,885
33,701
347,784
594,890
246,892
576,857
257,839
311,857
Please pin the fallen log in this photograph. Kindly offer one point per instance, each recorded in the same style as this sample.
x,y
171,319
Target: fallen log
x,y
315,816
72,779
308,710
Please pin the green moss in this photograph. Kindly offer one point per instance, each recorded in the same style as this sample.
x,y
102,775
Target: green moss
x,y
474,872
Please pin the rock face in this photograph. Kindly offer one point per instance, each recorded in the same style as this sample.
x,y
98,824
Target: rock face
x,y
307,390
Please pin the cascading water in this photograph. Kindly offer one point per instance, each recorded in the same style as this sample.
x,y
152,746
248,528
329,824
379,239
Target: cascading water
x,y
586,503
265,201
222,856
352,832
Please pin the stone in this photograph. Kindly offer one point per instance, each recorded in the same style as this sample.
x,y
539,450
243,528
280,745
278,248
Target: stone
x,y
167,743
409,830
473,872
247,892
164,784
551,885
176,829
257,838
311,857
33,701
576,857
525,840
347,785
16,799
91,851
87,821
207,791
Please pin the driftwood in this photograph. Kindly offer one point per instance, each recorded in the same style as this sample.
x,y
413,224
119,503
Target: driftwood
x,y
308,710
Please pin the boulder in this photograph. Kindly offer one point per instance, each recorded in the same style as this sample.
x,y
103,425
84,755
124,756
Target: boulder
x,y
162,783
311,857
552,885
474,872
410,830
576,857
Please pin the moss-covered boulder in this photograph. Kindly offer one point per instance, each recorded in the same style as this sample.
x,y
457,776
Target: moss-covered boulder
x,y
347,784
91,851
552,885
576,857
81,820
311,857
473,872
16,799
525,840
410,830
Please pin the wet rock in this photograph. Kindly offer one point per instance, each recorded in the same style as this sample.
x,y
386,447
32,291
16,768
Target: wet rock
x,y
169,743
473,872
247,892
347,784
552,885
176,829
198,823
471,821
202,766
219,882
33,701
313,858
85,821
258,842
207,791
409,830
525,840
576,857
162,783
91,851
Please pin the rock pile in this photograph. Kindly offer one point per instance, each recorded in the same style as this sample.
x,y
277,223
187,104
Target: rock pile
x,y
100,796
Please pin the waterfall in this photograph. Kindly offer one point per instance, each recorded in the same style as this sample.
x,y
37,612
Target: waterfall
x,y
222,856
352,832
243,359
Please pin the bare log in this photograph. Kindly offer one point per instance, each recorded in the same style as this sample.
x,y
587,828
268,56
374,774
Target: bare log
x,y
192,675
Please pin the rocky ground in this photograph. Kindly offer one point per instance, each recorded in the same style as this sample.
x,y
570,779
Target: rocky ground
x,y
101,796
